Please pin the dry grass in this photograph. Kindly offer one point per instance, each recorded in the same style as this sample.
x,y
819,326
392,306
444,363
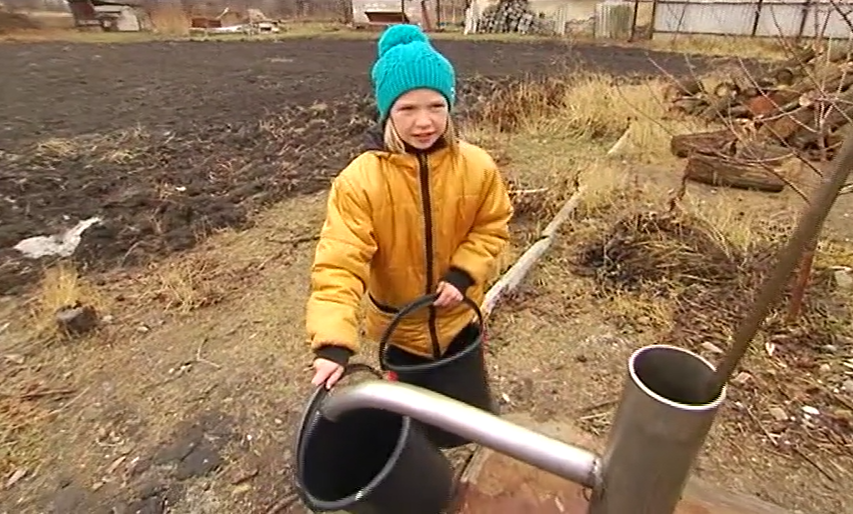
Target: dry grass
x,y
745,47
61,287
114,147
557,133
190,283
587,108
170,20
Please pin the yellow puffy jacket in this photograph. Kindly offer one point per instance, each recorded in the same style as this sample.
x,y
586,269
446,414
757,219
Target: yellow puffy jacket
x,y
396,225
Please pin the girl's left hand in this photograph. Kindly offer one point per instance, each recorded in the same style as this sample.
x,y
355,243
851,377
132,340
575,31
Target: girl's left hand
x,y
448,295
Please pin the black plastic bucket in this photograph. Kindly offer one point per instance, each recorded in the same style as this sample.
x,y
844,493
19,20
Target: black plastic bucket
x,y
369,461
460,373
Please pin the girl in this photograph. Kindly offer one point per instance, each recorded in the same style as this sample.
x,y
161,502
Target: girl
x,y
419,212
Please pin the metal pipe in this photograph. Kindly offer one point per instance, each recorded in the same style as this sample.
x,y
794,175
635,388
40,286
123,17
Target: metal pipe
x,y
570,462
663,418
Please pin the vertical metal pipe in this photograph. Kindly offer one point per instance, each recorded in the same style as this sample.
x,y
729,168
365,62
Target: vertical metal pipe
x,y
660,425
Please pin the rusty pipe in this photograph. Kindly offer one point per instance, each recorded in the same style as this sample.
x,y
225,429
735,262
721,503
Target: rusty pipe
x,y
576,464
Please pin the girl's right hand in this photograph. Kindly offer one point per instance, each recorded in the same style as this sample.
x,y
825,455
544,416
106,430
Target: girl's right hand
x,y
326,372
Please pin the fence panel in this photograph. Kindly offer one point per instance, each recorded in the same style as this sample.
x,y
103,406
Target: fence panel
x,y
780,17
829,20
764,18
695,17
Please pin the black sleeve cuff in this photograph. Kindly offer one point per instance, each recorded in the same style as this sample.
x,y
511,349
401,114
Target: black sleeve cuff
x,y
459,278
337,354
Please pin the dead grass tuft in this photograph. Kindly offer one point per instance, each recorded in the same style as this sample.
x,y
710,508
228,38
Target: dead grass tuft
x,y
61,287
518,105
11,22
651,248
186,284
584,107
170,20
115,147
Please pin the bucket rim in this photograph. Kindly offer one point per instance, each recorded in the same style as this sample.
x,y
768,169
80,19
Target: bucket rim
x,y
432,365
440,361
310,419
632,372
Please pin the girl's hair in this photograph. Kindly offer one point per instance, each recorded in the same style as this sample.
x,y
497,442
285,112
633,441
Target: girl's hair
x,y
395,144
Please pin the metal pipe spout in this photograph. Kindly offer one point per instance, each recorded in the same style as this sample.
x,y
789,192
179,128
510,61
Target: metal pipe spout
x,y
576,464
661,423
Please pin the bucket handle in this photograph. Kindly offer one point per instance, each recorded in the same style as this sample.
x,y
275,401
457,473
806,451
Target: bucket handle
x,y
421,303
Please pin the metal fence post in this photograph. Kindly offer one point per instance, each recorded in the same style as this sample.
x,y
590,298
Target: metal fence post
x,y
634,21
807,7
654,19
758,7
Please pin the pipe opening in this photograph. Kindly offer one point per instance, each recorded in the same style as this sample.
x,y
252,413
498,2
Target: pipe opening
x,y
675,375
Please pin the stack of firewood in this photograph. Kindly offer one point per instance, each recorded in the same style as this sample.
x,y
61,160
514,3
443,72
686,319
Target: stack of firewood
x,y
800,108
510,16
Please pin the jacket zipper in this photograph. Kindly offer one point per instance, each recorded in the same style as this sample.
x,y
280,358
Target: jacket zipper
x,y
423,169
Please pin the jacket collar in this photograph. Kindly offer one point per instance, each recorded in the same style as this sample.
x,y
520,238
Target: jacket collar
x,y
375,142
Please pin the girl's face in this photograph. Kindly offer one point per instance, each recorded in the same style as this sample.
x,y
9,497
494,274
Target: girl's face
x,y
420,117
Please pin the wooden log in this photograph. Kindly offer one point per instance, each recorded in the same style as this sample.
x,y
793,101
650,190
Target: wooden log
x,y
783,127
757,153
681,88
718,109
771,102
739,111
826,78
756,88
692,105
726,89
839,113
787,72
839,54
724,172
718,142
784,76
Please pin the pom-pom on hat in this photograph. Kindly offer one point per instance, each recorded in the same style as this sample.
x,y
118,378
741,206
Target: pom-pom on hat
x,y
407,61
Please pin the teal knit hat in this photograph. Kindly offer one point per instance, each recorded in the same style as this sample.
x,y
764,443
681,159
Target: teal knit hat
x,y
408,61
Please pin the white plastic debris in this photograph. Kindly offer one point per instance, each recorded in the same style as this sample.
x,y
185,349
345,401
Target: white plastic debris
x,y
811,411
60,245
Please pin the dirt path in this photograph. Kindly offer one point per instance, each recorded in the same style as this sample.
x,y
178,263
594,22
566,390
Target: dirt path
x,y
202,414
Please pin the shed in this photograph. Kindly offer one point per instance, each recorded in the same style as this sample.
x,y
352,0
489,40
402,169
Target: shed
x,y
381,13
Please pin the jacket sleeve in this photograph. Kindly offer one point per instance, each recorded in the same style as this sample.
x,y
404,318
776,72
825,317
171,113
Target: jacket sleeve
x,y
340,270
490,233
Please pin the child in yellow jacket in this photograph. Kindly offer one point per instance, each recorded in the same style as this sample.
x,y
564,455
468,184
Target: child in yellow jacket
x,y
420,212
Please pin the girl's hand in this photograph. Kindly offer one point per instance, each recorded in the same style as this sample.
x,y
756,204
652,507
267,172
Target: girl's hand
x,y
326,372
448,295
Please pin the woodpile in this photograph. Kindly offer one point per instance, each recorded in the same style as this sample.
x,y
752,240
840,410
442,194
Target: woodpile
x,y
511,16
802,107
